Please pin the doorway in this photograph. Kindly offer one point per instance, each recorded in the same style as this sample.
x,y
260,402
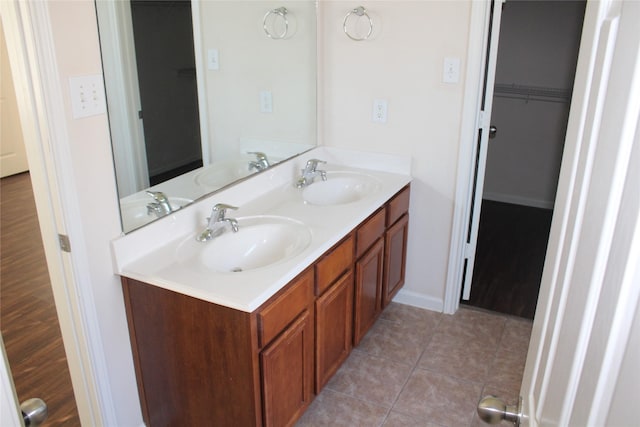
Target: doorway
x,y
535,70
165,59
30,327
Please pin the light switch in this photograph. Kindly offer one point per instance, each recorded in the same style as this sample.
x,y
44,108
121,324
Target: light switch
x,y
266,101
213,60
87,96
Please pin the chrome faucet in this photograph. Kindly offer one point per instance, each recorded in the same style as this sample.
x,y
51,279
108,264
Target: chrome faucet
x,y
217,223
261,162
161,206
310,172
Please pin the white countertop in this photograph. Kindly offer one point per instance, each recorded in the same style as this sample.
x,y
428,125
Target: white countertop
x,y
152,253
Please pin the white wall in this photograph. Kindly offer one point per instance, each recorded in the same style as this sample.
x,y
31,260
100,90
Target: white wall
x,y
402,62
77,53
250,62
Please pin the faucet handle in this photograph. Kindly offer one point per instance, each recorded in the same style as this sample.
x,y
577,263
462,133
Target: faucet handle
x,y
259,155
158,196
222,208
312,164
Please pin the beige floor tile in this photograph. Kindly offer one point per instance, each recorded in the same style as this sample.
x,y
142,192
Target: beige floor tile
x,y
455,356
516,334
370,378
407,315
396,419
507,369
395,341
441,399
334,409
473,326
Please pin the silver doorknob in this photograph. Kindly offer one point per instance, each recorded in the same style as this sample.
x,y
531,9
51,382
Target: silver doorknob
x,y
492,410
492,131
34,412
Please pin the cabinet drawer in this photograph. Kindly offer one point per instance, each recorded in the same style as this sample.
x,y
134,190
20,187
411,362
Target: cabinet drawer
x,y
286,307
332,265
398,206
369,232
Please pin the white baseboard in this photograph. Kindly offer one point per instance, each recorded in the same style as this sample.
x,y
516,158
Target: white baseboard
x,y
517,200
419,300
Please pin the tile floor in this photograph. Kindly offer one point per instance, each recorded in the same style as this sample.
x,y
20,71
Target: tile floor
x,y
420,368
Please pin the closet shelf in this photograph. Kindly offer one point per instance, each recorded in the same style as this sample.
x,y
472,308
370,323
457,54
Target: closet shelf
x,y
532,93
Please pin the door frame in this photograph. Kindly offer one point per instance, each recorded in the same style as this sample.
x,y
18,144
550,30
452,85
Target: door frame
x,y
30,45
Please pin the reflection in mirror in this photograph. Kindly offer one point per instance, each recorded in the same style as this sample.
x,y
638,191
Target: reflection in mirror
x,y
202,94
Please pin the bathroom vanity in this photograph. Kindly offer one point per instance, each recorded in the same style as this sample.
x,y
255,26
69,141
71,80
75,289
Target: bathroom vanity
x,y
253,347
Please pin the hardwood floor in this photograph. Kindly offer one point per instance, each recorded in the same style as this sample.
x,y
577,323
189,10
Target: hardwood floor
x,y
512,242
28,319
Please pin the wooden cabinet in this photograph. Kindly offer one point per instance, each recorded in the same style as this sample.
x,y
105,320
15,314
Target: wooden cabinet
x,y
287,373
287,361
198,362
334,330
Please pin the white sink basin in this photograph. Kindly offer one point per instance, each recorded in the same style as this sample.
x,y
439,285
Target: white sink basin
x,y
135,214
260,241
340,188
222,173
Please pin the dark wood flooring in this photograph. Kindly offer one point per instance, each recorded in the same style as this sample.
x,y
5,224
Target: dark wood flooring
x,y
512,242
28,319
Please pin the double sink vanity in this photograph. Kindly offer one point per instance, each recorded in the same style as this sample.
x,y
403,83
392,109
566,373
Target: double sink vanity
x,y
242,320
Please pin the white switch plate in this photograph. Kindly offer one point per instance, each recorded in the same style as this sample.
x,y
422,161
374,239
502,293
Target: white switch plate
x,y
266,101
451,70
87,96
380,107
213,60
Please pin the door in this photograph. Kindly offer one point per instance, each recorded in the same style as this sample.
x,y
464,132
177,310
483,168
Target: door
x,y
581,365
482,138
13,156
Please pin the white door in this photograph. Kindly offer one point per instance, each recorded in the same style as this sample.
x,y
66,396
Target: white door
x,y
13,156
482,138
582,363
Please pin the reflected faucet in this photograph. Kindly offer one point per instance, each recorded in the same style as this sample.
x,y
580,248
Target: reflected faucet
x,y
310,172
161,206
261,163
218,223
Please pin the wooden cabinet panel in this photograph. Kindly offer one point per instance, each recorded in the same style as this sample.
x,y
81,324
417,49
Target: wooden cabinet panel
x,y
334,329
194,359
368,290
398,206
287,374
395,259
333,264
280,311
370,231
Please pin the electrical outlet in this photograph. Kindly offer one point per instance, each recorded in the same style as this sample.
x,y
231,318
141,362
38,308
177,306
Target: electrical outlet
x,y
213,60
87,96
266,101
451,70
380,107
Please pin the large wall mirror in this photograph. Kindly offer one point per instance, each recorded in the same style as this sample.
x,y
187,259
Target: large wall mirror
x,y
195,88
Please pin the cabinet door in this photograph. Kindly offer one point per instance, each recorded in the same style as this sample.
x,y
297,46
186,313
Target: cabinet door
x,y
287,373
368,290
395,259
334,330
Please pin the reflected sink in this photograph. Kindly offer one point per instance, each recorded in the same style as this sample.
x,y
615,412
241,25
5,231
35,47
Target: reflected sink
x,y
134,212
260,241
222,173
340,188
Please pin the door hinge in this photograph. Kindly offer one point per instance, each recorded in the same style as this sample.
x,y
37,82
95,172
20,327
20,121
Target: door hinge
x,y
65,244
